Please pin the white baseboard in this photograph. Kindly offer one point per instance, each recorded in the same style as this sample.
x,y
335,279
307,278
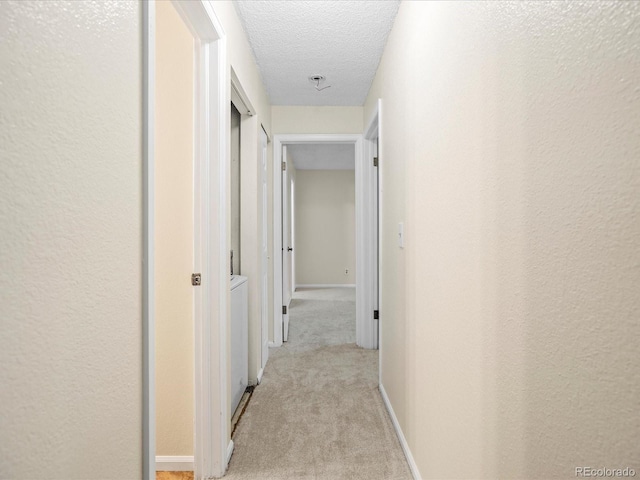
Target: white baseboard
x,y
229,452
183,463
326,285
260,373
272,344
174,464
403,442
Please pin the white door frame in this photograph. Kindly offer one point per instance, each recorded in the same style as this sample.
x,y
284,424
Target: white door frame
x,y
148,226
252,224
370,240
212,448
264,250
365,324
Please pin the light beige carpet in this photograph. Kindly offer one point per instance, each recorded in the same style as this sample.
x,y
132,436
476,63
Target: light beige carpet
x,y
318,413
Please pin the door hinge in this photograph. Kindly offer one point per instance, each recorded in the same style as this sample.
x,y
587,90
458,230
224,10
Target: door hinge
x,y
196,279
284,309
375,161
376,315
284,166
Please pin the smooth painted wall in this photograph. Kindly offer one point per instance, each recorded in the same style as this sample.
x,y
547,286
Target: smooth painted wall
x,y
71,240
174,261
325,227
509,323
308,119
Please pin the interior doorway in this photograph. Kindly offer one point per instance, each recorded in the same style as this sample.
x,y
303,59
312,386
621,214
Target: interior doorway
x,y
175,240
235,258
365,323
251,181
372,191
211,446
264,249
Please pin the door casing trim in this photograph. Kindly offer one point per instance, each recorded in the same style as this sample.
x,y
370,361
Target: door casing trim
x,y
370,240
364,210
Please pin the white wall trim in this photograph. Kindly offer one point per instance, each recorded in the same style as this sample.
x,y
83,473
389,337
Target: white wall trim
x,y
174,464
403,441
230,448
148,295
260,374
263,280
375,126
366,249
326,285
239,96
361,281
375,129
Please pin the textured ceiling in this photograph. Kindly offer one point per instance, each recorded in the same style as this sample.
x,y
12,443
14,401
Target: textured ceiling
x,y
342,40
323,156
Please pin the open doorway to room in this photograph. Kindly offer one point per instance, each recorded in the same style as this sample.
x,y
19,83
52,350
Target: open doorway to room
x,y
324,259
185,280
249,247
319,247
175,240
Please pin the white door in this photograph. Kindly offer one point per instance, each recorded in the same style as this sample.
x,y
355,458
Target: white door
x,y
286,245
264,311
292,230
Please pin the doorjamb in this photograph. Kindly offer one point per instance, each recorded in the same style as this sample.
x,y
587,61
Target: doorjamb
x,y
148,264
264,257
367,246
364,321
239,96
212,445
251,223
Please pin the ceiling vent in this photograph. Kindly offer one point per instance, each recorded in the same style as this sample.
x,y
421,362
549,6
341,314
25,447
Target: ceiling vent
x,y
318,79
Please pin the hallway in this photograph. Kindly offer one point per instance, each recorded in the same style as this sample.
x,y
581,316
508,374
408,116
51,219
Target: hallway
x,y
318,413
508,169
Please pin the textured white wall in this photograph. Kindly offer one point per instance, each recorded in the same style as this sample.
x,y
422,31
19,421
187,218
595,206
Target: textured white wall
x,y
325,227
70,246
244,64
174,233
510,151
297,119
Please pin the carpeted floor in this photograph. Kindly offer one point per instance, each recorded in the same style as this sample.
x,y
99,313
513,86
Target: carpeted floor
x,y
318,413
